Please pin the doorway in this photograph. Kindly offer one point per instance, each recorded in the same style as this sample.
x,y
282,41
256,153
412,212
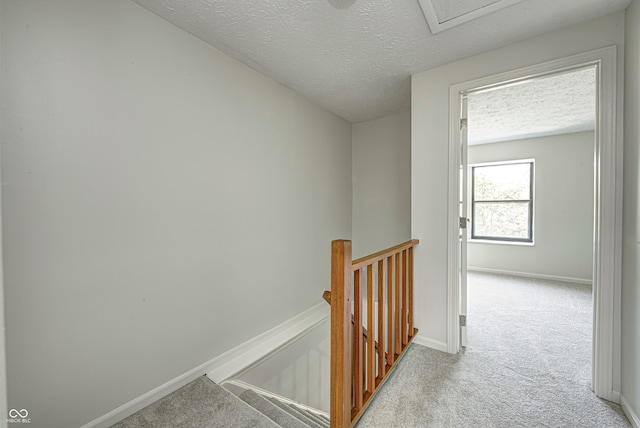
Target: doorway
x,y
605,202
528,166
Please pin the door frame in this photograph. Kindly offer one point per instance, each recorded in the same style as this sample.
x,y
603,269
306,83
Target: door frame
x,y
607,243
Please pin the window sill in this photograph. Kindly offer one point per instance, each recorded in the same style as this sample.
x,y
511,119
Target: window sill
x,y
489,241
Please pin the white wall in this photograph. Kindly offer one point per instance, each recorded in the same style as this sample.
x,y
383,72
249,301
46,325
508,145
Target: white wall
x,y
162,203
631,224
429,148
563,208
381,183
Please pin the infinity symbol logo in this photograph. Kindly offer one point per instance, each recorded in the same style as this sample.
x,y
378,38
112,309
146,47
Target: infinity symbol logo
x,y
13,413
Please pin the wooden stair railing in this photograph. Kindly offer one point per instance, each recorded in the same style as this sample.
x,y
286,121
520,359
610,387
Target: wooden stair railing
x,y
362,360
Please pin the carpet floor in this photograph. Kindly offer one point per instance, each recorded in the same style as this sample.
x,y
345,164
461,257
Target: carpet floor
x,y
527,364
204,404
199,404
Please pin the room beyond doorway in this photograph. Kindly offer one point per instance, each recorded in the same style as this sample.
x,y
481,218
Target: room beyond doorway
x,y
528,178
544,218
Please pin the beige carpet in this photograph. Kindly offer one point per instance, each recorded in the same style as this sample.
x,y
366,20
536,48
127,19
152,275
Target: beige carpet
x,y
527,364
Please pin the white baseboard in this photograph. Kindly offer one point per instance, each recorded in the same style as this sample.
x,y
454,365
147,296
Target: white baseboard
x,y
531,275
628,410
430,343
225,365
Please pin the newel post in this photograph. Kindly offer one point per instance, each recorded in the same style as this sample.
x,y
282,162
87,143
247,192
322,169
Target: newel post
x,y
341,334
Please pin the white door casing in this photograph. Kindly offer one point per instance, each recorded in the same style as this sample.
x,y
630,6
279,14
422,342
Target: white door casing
x,y
464,216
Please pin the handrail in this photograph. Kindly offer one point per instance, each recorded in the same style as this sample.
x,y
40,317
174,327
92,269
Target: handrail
x,y
381,255
362,360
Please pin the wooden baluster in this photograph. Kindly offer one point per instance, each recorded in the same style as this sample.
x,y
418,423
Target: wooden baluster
x,y
371,359
341,334
381,359
411,291
405,300
390,351
398,309
358,340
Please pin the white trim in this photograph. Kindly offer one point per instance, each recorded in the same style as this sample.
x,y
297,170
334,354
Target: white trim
x,y
436,26
531,275
628,410
242,356
430,343
608,200
453,228
243,385
226,364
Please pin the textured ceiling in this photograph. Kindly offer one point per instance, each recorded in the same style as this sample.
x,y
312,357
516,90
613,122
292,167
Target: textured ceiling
x,y
355,58
551,105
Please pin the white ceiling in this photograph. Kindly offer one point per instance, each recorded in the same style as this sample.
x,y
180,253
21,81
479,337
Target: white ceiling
x,y
355,57
557,104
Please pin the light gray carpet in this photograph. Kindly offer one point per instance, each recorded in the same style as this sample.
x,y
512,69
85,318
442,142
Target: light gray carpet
x,y
199,404
296,413
204,404
527,364
272,411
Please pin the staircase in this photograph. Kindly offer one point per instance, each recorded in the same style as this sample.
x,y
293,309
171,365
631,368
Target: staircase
x,y
205,404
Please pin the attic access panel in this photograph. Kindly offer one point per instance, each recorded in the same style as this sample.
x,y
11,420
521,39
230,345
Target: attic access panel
x,y
443,14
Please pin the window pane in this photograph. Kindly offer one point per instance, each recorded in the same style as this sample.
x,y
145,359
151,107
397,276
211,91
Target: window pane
x,y
502,182
502,220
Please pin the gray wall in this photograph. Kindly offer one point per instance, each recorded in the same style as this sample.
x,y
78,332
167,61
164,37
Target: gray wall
x,y
381,183
162,203
631,224
563,208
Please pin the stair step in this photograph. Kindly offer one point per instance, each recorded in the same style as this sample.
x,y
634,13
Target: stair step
x,y
323,422
272,411
287,408
202,404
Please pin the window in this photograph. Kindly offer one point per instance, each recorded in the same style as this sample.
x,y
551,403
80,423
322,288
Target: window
x,y
502,201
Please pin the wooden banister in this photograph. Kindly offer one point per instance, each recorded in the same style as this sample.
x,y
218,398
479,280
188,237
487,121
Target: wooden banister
x,y
341,337
362,360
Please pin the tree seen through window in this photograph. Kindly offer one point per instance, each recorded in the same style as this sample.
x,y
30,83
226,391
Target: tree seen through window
x,y
502,201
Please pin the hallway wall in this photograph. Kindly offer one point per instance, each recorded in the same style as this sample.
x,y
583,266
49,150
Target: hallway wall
x,y
155,195
381,183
